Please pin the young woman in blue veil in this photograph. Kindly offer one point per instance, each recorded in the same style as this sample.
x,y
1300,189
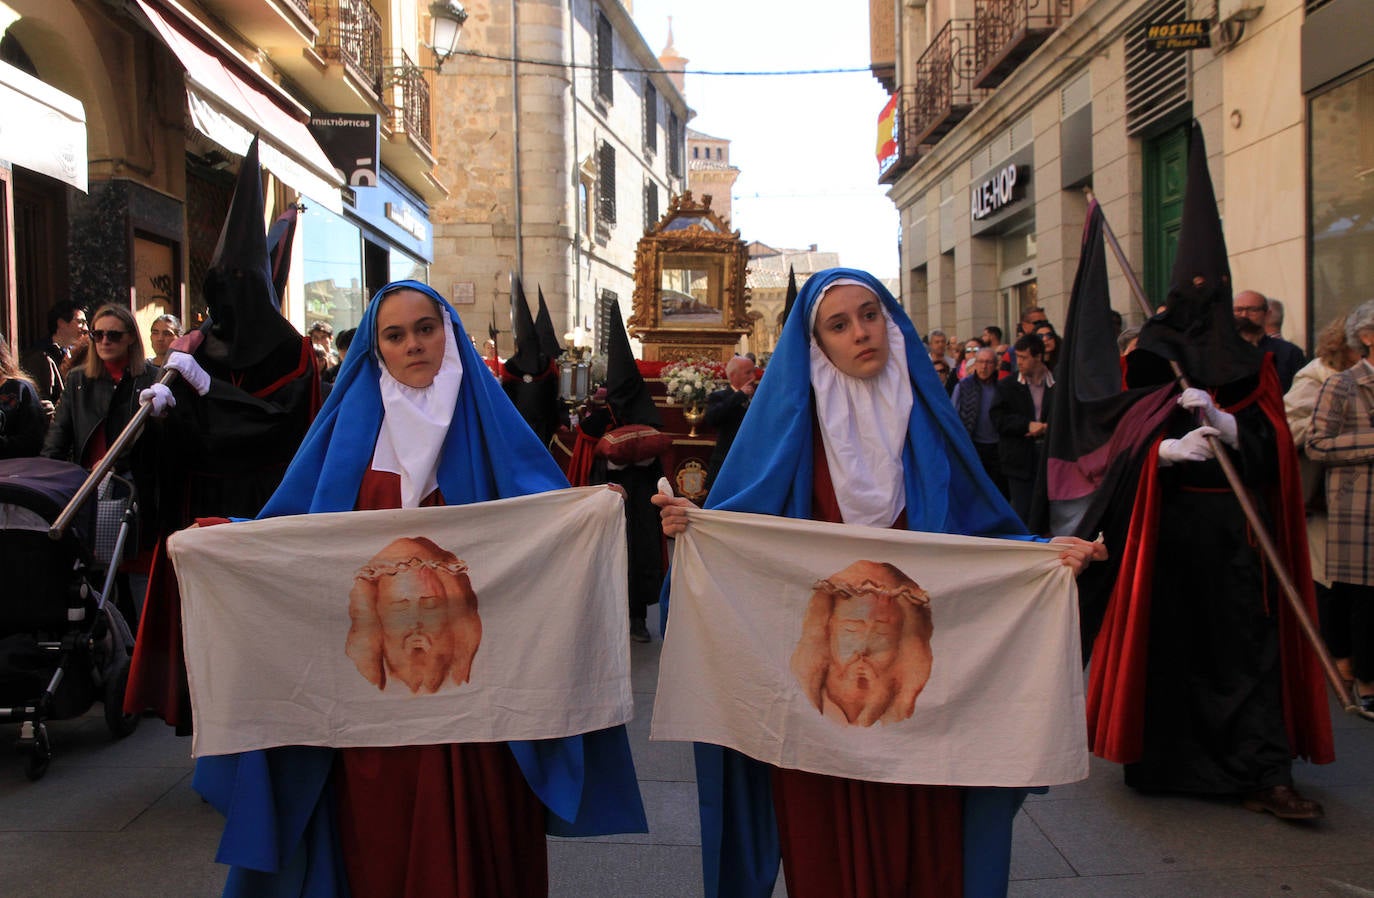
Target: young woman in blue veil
x,y
414,418
851,424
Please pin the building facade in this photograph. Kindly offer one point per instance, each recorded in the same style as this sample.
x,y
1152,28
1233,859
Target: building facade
x,y
1009,110
130,119
561,141
709,172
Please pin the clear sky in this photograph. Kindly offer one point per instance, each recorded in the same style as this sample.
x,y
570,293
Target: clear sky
x,y
804,144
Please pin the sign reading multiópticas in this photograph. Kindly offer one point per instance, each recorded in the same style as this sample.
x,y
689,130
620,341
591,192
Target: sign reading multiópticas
x,y
352,143
1189,34
1002,188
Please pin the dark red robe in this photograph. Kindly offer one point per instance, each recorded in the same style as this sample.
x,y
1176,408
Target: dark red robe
x,y
844,838
455,820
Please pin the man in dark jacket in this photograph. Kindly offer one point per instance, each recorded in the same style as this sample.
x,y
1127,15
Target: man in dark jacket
x,y
1021,413
48,363
725,411
973,397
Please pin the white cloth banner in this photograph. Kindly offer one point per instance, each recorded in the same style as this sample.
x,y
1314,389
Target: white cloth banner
x,y
874,654
472,623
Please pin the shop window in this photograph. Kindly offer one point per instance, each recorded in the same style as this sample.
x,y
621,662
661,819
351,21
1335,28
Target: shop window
x,y
1341,200
332,269
405,267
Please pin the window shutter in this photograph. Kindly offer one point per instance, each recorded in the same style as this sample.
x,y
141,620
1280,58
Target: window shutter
x,y
650,117
605,58
606,187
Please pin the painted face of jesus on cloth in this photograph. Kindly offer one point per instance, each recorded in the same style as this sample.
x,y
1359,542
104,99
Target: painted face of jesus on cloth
x,y
414,617
864,655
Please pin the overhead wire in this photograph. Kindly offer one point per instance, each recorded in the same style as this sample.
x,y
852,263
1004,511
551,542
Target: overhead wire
x,y
559,64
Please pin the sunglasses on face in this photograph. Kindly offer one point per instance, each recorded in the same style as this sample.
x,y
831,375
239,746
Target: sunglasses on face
x,y
112,336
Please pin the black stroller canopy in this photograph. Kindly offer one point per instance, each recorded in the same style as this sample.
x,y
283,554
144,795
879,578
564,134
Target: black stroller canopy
x,y
45,486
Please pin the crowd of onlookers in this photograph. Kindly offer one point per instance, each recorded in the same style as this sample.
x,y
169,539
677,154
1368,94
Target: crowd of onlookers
x,y
1001,392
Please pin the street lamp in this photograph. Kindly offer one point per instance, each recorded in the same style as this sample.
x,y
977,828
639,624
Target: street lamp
x,y
446,18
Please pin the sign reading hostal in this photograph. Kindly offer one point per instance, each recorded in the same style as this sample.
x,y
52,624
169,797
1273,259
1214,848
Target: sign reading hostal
x,y
1189,34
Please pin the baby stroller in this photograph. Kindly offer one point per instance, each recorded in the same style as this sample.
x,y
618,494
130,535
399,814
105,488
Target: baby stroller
x,y
63,643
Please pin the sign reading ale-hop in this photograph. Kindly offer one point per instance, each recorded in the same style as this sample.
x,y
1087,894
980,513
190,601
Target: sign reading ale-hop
x,y
1001,189
1189,34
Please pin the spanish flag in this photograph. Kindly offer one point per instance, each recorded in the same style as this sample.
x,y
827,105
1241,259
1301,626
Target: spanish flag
x,y
887,133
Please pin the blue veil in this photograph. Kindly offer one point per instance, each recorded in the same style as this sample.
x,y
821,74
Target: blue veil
x,y
769,471
279,832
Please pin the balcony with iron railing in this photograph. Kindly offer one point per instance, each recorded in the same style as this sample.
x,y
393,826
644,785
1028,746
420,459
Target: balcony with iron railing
x,y
351,34
1006,32
942,93
284,25
407,95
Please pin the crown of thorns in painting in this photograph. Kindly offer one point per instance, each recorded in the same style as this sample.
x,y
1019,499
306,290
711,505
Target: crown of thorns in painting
x,y
864,654
414,617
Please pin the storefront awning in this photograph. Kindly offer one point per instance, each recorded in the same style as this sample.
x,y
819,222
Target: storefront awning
x,y
226,108
41,128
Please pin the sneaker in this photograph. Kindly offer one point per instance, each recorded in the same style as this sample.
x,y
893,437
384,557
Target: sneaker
x,y
638,631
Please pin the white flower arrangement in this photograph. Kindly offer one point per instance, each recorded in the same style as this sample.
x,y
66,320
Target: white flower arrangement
x,y
690,381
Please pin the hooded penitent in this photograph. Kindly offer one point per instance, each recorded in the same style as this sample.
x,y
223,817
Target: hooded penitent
x,y
1197,327
626,392
543,326
248,334
530,376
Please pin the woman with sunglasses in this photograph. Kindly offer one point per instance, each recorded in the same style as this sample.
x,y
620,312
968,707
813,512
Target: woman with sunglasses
x,y
99,400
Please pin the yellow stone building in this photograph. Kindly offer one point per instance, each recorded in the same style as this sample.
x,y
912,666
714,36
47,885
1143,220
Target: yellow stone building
x,y
1008,109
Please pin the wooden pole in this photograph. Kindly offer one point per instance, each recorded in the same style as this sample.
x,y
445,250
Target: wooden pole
x,y
102,467
1247,504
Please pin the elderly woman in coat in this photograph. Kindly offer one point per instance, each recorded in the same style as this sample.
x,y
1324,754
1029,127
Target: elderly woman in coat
x,y
1342,438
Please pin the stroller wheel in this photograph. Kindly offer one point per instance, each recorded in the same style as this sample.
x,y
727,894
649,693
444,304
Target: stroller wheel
x,y
119,723
40,754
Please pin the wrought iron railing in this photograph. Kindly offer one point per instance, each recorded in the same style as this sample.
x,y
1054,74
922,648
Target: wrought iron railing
x,y
943,92
1007,31
412,113
351,32
301,6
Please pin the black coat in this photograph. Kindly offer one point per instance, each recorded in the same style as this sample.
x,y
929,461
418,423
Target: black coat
x,y
87,404
725,412
1012,413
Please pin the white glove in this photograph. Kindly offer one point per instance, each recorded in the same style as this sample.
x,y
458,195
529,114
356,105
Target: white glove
x,y
159,396
1224,422
1192,446
190,370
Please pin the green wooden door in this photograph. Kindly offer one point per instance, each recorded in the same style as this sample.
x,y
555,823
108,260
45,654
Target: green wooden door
x,y
1165,161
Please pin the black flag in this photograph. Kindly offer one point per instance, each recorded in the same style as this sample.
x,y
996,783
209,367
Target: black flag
x,y
1098,431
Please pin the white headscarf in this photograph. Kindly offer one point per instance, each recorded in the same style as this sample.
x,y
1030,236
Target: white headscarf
x,y
415,422
864,426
